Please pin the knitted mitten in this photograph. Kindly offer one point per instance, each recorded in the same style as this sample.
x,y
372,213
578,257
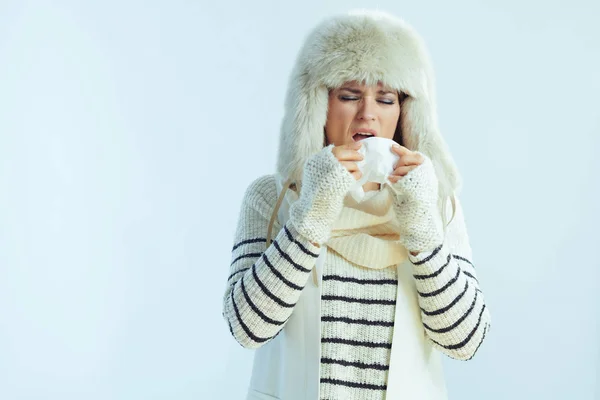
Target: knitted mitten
x,y
421,227
325,183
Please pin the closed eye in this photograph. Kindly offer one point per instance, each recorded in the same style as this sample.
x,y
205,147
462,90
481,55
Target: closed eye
x,y
352,98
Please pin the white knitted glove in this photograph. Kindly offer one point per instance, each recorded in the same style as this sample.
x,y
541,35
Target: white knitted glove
x,y
325,183
421,226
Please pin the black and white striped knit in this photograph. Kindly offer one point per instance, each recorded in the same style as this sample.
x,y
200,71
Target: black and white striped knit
x,y
357,316
357,304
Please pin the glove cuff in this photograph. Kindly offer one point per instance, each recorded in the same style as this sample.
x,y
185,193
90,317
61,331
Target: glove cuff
x,y
325,183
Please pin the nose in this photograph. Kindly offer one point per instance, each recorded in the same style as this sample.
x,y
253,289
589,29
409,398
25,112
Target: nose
x,y
366,109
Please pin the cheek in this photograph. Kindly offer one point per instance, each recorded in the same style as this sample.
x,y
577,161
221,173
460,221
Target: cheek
x,y
339,117
342,111
390,122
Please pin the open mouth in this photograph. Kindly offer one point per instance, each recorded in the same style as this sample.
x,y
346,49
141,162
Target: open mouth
x,y
360,136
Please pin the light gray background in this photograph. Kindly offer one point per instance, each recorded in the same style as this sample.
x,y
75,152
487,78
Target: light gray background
x,y
130,130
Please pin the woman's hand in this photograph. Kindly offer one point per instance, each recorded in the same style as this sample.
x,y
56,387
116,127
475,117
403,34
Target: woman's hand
x,y
347,155
409,160
416,186
326,178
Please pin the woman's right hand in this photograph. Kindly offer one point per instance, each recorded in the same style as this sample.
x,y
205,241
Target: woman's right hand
x,y
348,155
327,177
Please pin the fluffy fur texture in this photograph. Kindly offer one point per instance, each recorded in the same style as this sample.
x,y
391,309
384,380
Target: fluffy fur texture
x,y
370,47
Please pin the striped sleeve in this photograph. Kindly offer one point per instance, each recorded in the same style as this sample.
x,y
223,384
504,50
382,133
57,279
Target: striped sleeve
x,y
453,308
264,284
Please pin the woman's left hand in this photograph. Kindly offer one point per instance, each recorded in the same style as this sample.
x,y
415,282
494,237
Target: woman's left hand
x,y
416,186
409,160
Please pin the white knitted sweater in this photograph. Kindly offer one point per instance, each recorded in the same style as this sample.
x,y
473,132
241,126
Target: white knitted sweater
x,y
357,310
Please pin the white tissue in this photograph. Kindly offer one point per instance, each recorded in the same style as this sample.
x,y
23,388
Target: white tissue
x,y
377,165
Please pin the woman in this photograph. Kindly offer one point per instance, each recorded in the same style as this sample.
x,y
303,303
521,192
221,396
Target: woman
x,y
393,269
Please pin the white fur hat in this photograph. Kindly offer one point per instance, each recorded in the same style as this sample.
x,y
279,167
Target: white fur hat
x,y
369,47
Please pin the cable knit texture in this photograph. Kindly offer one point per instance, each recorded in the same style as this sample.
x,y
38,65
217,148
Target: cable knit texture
x,y
325,183
421,227
357,303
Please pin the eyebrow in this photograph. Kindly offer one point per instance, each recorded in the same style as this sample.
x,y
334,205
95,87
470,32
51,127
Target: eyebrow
x,y
358,91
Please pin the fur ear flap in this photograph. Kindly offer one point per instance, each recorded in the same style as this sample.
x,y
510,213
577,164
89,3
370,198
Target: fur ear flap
x,y
421,133
302,127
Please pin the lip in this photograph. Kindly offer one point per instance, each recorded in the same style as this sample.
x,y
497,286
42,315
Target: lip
x,y
365,130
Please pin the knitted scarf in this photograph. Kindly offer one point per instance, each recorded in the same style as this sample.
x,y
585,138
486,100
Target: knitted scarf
x,y
366,233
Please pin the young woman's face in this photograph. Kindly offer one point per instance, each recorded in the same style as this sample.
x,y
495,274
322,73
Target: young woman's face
x,y
355,108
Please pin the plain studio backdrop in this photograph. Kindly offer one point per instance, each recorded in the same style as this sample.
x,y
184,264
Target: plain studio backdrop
x,y
129,132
